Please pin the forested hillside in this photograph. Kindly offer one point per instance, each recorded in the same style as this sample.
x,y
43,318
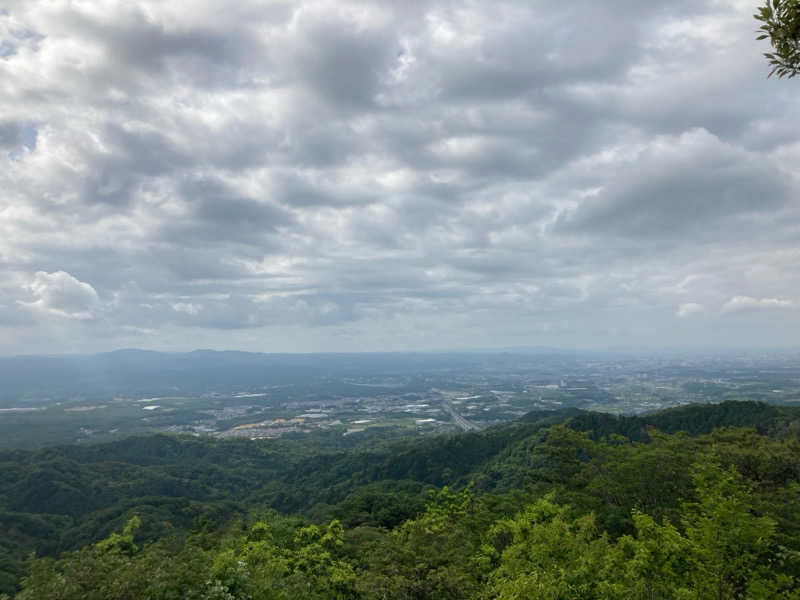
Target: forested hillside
x,y
695,502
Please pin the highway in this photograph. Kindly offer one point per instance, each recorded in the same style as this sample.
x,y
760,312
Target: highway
x,y
458,419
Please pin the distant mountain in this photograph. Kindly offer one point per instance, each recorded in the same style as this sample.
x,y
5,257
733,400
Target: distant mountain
x,y
143,372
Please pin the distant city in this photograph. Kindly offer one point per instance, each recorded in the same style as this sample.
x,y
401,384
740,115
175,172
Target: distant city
x,y
52,400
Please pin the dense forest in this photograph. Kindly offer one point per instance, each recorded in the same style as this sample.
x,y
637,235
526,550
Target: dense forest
x,y
693,502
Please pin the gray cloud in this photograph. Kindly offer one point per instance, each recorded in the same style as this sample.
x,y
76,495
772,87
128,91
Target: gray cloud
x,y
339,59
351,176
10,135
684,186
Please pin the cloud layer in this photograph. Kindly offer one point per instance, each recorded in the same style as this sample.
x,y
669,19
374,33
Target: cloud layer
x,y
362,176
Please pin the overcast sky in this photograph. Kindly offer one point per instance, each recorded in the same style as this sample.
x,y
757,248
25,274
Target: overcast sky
x,y
324,176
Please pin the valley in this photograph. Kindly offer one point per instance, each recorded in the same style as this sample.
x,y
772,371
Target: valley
x,y
265,396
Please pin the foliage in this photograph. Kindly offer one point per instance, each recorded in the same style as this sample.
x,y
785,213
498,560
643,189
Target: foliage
x,y
543,553
555,511
781,24
433,555
456,549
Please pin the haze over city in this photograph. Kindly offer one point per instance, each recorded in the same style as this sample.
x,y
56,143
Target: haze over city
x,y
334,176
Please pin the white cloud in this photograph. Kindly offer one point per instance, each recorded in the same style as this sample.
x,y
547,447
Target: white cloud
x,y
62,294
742,303
187,307
688,309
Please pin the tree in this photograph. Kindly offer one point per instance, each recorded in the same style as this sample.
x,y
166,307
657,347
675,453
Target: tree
x,y
731,547
781,24
544,553
431,557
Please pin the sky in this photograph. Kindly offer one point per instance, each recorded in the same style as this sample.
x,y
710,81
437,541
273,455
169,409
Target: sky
x,y
383,176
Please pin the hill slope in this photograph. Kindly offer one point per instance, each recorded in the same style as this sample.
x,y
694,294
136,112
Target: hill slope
x,y
61,498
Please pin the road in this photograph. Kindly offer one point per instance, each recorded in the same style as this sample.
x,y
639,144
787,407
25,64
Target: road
x,y
458,419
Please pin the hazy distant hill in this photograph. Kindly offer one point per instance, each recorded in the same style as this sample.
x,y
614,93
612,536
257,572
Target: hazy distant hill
x,y
144,372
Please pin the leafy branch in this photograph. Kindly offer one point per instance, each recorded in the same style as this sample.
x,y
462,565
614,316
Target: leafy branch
x,y
781,24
